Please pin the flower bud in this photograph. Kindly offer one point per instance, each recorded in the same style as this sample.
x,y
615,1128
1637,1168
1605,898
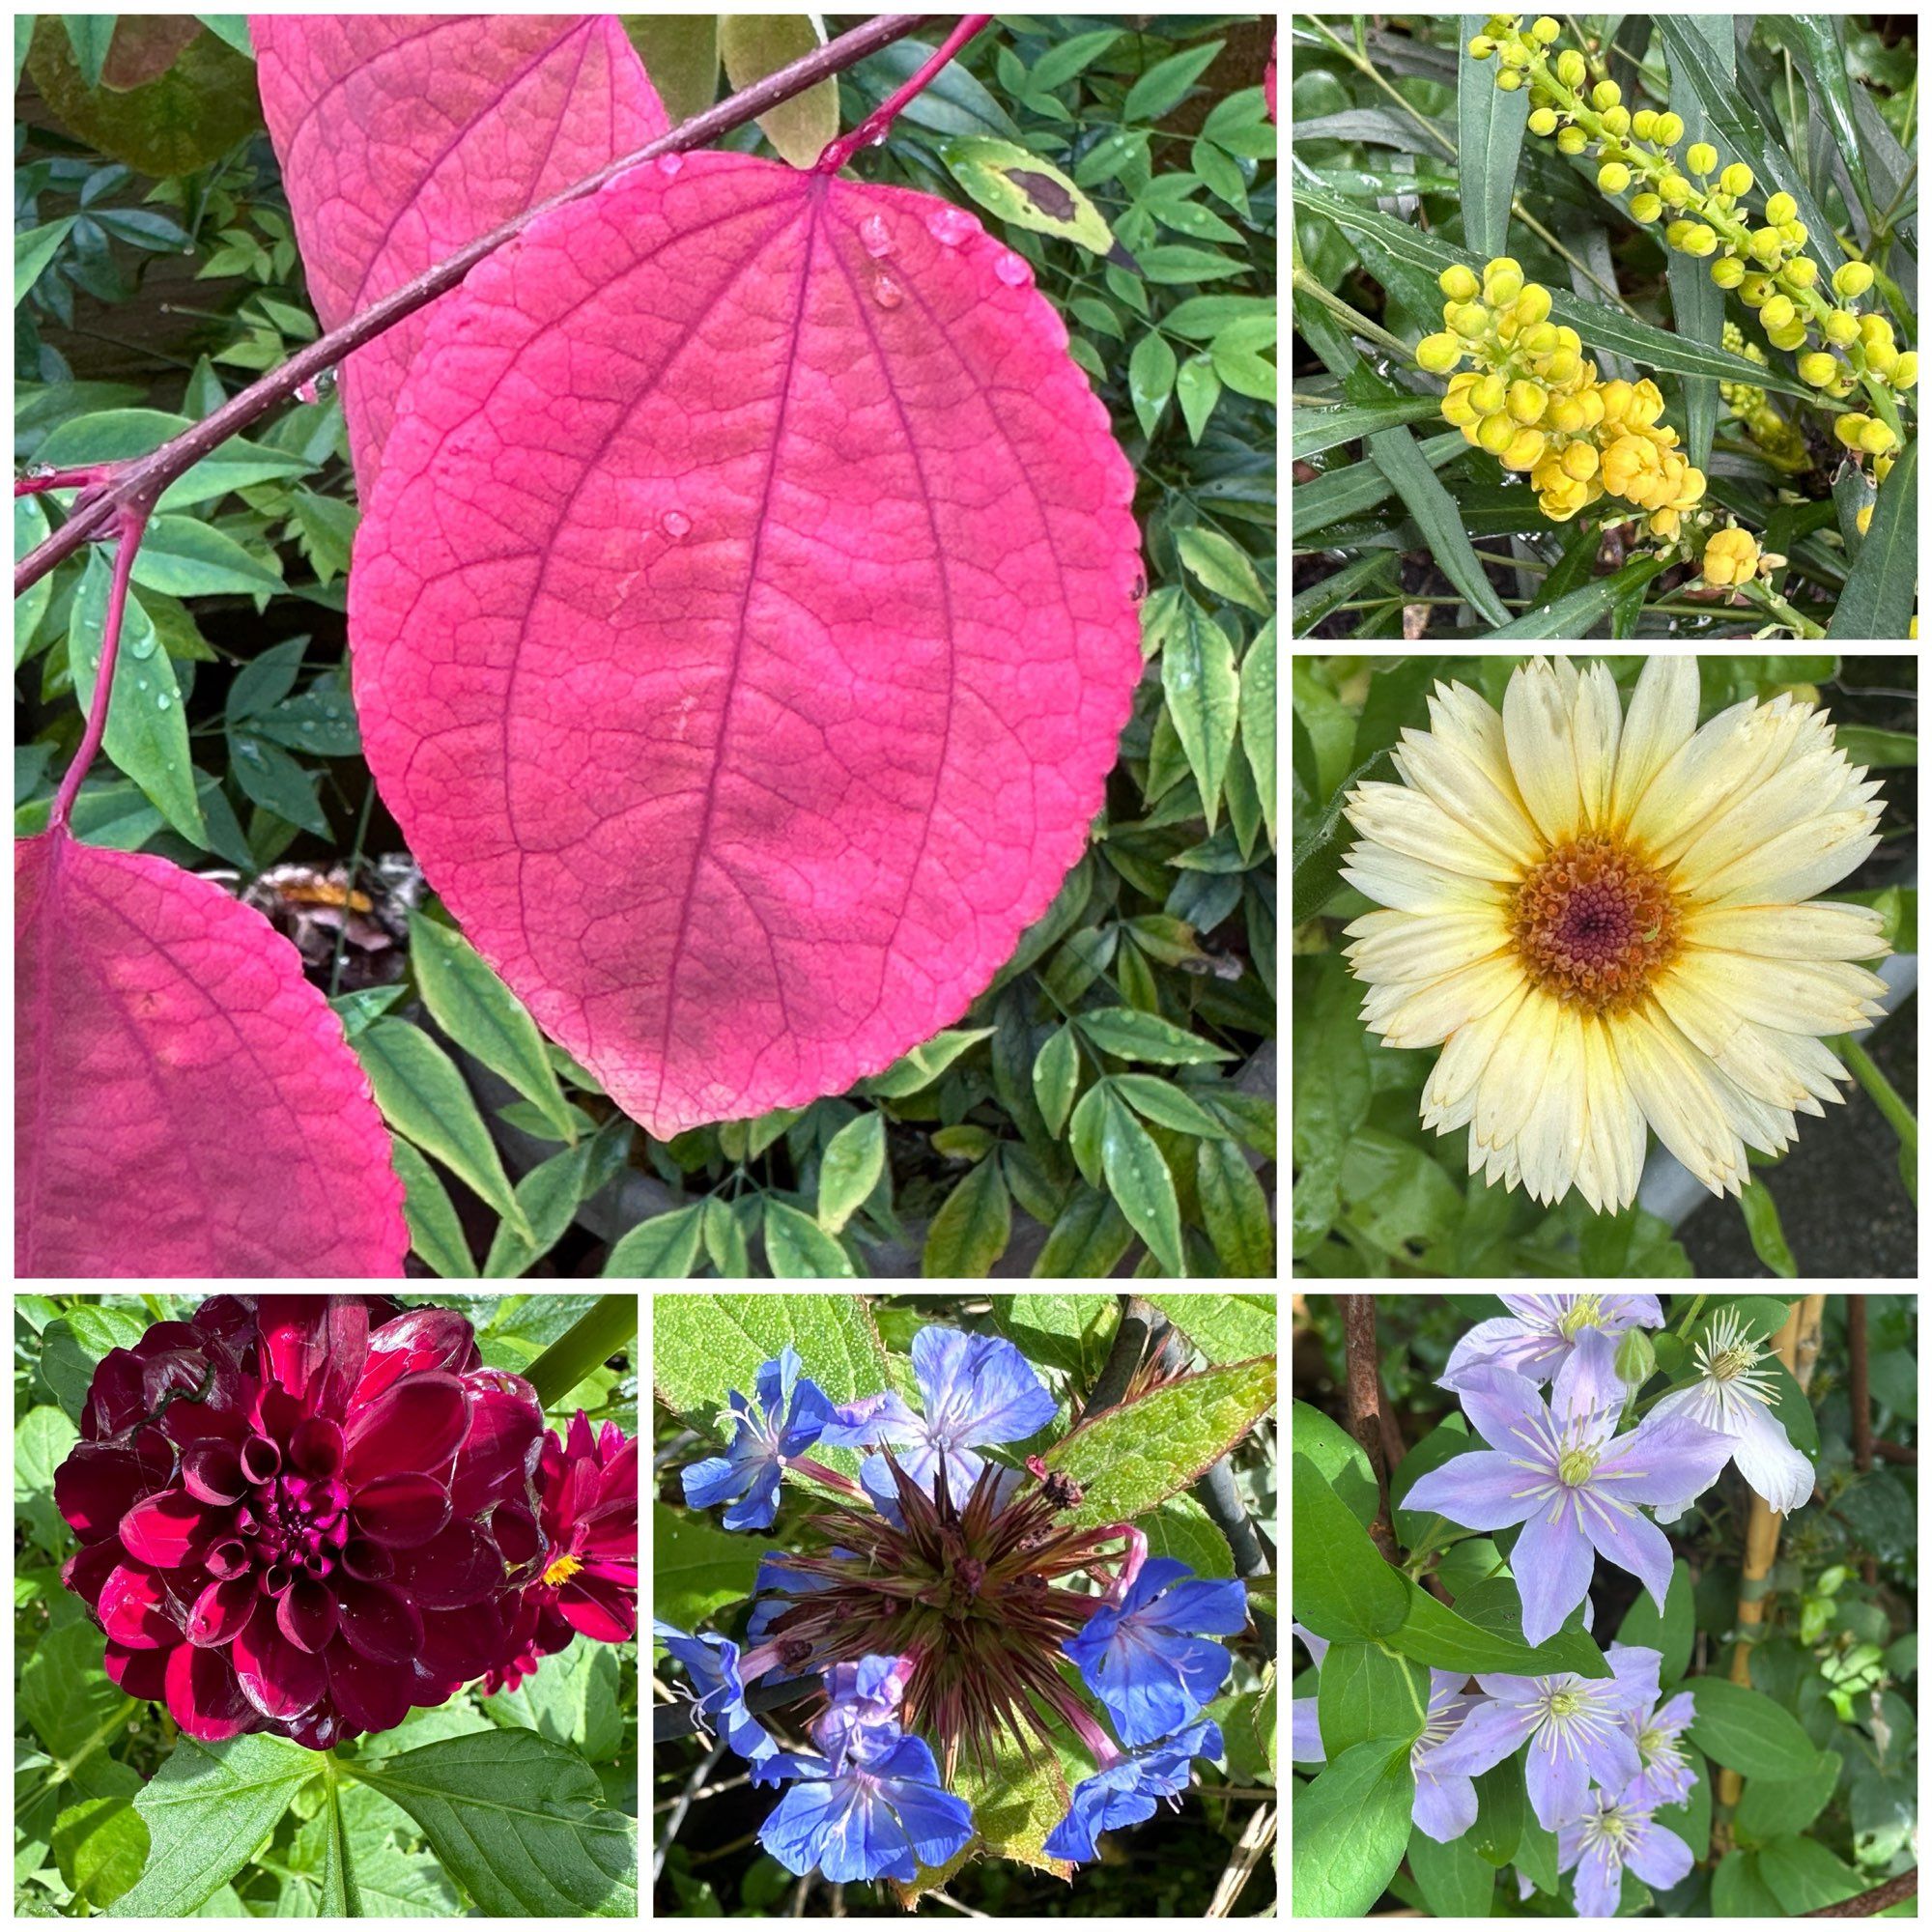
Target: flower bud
x,y
1874,328
1565,413
1701,241
1544,29
1755,291
1700,158
1768,245
1457,406
1471,320
1561,364
1613,178
1524,452
1533,304
1906,373
1606,94
1800,273
1849,427
1482,48
1458,283
1819,369
1496,433
1570,67
1730,557
1853,279
1572,141
1881,359
1579,461
1675,191
1489,393
1737,180
1502,281
1674,234
1727,272
1643,123
1645,206
1875,438
1841,327
1637,1358
1509,81
1527,401
1779,208
1617,119
1438,353
1542,121
1790,337
1540,338
1795,233
1776,312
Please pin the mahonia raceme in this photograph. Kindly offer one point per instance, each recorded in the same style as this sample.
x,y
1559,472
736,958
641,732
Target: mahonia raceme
x,y
1601,1755
937,1595
308,1514
1781,441
1535,405
1703,205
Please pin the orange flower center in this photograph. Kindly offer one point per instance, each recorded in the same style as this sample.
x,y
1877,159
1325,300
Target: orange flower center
x,y
562,1569
1594,924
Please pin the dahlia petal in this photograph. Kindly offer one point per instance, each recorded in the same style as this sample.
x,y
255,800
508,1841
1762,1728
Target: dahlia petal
x,y
204,1696
114,1403
212,1472
141,1673
160,1529
86,1572
96,1486
401,1511
461,1644
279,1678
418,1339
306,1614
134,1609
316,1447
385,1626
371,1696
516,1533
579,1446
222,1611
458,1566
500,1452
412,1428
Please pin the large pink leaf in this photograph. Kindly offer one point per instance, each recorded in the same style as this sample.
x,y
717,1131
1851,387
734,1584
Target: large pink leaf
x,y
744,624
184,1102
404,136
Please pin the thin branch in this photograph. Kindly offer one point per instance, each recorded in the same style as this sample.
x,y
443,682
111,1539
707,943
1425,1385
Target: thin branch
x,y
141,480
680,1718
1255,1839
1141,1331
1358,1327
1893,1892
1896,1452
681,1808
1855,1337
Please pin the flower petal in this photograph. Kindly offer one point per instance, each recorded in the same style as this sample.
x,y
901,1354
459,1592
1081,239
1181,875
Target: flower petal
x,y
141,1673
1766,1461
222,1611
306,1614
1554,1562
1502,1343
279,1678
401,1511
96,1486
977,1388
1487,1736
385,1626
1444,1807
371,1696
212,1471
204,1694
1675,1459
134,1609
160,1529
1659,1856
1588,1392
414,1426
1481,1490
456,1567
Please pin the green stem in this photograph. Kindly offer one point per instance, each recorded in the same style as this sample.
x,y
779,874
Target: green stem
x,y
1305,284
1697,1302
1761,593
607,1330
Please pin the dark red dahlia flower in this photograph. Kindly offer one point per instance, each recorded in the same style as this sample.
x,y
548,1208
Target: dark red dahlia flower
x,y
304,1514
588,1585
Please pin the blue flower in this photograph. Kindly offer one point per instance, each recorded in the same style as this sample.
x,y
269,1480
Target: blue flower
x,y
1124,1792
880,1814
975,1390
1147,1659
862,1720
794,1411
712,1665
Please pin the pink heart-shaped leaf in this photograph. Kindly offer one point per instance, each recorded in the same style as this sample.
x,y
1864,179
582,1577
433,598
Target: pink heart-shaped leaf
x,y
186,1104
744,624
404,136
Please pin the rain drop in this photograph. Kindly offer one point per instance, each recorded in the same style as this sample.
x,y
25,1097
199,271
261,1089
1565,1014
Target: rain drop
x,y
876,237
142,645
162,702
670,165
37,470
949,226
140,684
675,524
1013,270
886,292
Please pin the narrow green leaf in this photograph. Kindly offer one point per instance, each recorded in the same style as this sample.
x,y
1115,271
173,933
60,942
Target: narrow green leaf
x,y
1151,372
1319,429
1356,488
1164,86
1883,588
1128,1035
183,556
1258,720
924,1064
849,1170
1219,563
1490,127
664,1248
1235,1211
1339,1458
1697,303
1820,49
697,1568
1056,1072
1166,1105
752,45
1138,1179
1445,1639
90,35
33,249
424,1099
973,1224
474,1008
113,436
1087,1241
1575,616
1766,1231
435,1234
1196,673
797,1247
1438,518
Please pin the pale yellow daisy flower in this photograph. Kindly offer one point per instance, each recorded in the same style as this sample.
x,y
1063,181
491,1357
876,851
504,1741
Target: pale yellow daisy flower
x,y
1601,920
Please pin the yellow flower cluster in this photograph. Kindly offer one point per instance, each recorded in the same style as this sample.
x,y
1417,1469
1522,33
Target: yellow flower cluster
x,y
1763,259
1535,405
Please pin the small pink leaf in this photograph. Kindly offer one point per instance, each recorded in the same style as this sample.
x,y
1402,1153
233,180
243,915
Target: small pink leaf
x,y
185,1102
404,136
744,624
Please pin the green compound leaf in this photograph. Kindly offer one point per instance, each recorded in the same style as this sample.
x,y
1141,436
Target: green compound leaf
x,y
849,1169
1014,184
973,1224
798,1248
1351,1826
1129,1458
708,1344
664,1248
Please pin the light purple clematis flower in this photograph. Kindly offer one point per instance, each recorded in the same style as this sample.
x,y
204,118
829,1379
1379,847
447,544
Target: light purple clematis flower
x,y
1572,1483
1305,1725
975,1390
1667,1777
1611,1833
1733,1398
1577,1728
1537,1336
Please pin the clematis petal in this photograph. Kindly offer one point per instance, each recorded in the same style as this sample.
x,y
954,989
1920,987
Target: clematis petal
x,y
1444,1807
1557,1779
1674,1459
1599,1884
1505,1409
1659,1856
1629,1541
1305,1731
1488,1735
1588,1393
1554,1562
1502,1342
1766,1461
1481,1490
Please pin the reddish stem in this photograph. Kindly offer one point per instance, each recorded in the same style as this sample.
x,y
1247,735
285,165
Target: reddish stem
x,y
873,128
143,478
808,1465
130,521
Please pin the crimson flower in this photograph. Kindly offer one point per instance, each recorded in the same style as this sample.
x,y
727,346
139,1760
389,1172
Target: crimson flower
x,y
588,1585
304,1514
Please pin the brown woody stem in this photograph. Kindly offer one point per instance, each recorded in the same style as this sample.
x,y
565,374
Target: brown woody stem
x,y
1358,1327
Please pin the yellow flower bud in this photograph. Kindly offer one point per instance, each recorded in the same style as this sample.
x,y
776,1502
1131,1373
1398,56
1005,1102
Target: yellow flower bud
x,y
1482,48
1643,123
1849,428
1790,337
1853,279
1544,29
1678,231
1864,518
1606,94
1489,393
1874,328
1841,327
1457,406
1458,283
1572,68
1527,401
1730,557
1509,81
1579,461
1701,241
1881,359
1540,338
1768,245
1795,233
1776,312
1675,191
1700,158
1613,178
1875,438
1819,369
1471,320
1496,433
1542,121
1647,404
1561,364
1905,374
1755,291
1533,304
1572,141
1727,272
1524,452
1617,119
1502,282
1779,208
1645,206
1737,180
1800,273
1438,353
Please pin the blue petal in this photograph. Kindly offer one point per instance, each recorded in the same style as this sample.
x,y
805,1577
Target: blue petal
x,y
980,1387
760,1504
715,1480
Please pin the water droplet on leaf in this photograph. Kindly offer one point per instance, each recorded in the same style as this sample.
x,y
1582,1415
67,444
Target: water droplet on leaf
x,y
876,237
949,226
141,645
162,702
670,165
1013,270
675,524
886,292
